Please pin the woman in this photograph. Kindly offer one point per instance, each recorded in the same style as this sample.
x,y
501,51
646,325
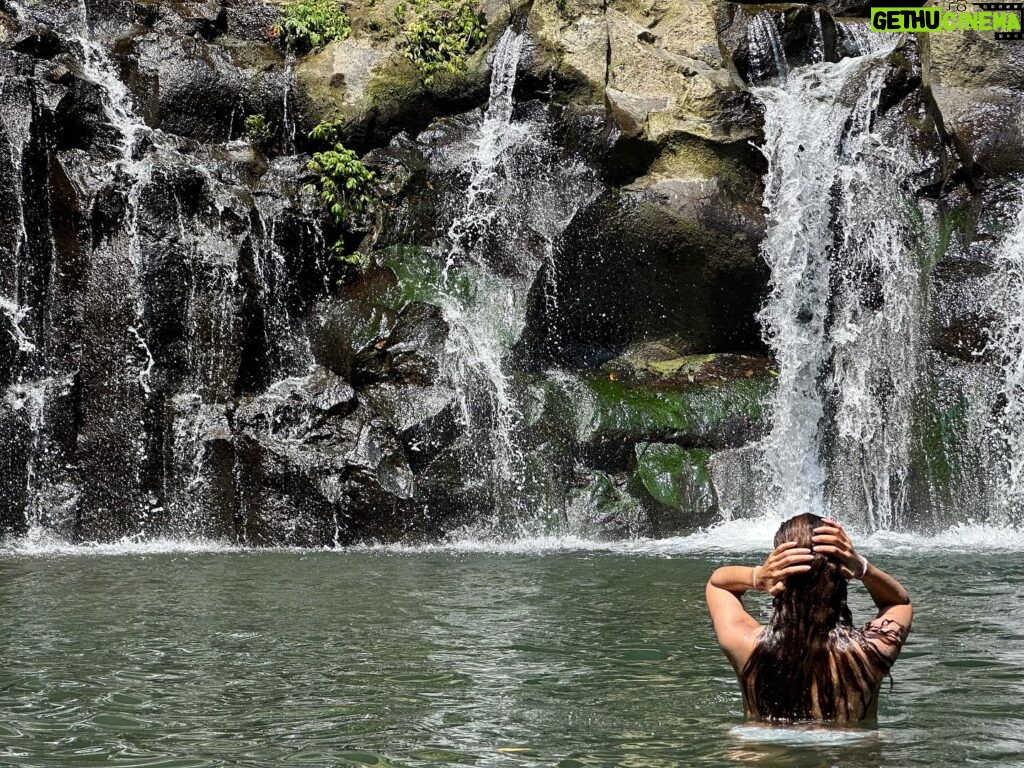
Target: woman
x,y
809,662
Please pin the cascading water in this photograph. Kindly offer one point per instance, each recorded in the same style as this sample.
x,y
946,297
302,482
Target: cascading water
x,y
767,59
518,189
1007,347
187,259
845,296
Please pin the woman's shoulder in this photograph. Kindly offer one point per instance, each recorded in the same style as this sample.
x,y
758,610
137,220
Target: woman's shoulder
x,y
886,635
884,627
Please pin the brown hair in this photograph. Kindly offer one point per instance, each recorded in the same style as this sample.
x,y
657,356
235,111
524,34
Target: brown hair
x,y
810,663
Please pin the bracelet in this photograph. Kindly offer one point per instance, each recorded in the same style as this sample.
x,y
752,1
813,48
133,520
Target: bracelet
x,y
753,578
863,566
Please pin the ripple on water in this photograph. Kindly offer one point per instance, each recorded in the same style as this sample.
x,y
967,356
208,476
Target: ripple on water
x,y
409,659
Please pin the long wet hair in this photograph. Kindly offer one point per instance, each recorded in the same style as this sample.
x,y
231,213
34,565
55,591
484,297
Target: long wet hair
x,y
810,663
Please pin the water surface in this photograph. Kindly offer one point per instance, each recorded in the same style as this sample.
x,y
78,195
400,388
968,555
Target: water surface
x,y
448,657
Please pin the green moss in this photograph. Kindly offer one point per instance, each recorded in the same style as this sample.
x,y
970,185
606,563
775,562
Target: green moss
x,y
677,478
948,450
603,410
690,364
420,276
690,157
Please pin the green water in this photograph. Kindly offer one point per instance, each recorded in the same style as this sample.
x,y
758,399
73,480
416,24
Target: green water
x,y
378,658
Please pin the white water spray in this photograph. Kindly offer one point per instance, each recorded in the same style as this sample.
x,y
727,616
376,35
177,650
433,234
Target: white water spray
x,y
516,190
845,295
1007,345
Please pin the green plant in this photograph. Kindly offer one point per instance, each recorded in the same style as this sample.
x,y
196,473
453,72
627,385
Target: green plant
x,y
345,184
258,130
309,24
441,34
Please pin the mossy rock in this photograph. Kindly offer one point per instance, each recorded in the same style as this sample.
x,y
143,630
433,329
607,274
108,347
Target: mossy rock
x,y
368,307
603,508
603,411
679,481
659,362
951,429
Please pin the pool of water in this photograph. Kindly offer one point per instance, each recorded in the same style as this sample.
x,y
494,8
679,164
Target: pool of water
x,y
563,656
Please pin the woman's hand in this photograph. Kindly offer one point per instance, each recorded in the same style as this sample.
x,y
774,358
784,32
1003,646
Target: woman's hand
x,y
831,539
785,560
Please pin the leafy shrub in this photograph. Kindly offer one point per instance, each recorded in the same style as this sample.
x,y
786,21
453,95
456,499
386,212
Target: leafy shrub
x,y
440,35
345,184
307,24
258,130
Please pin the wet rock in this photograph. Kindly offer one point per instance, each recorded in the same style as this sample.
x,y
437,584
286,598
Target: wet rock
x,y
376,92
607,418
80,119
803,33
202,496
685,277
410,352
186,86
15,436
572,49
852,8
951,443
602,508
659,363
112,439
907,114
251,19
312,470
679,483
39,41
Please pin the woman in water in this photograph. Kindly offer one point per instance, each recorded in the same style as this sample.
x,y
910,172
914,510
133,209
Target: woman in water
x,y
809,662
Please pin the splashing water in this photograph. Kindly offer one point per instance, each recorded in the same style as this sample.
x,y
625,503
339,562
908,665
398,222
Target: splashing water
x,y
518,188
767,59
1007,344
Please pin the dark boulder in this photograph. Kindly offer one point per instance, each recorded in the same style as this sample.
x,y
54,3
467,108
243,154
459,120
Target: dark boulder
x,y
311,470
187,86
749,34
631,267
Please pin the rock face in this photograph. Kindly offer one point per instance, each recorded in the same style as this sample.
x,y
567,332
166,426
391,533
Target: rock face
x,y
178,356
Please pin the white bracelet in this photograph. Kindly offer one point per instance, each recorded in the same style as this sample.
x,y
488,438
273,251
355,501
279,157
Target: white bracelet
x,y
753,578
863,566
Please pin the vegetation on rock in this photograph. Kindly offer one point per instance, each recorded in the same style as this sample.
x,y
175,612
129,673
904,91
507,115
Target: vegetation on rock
x,y
307,24
258,130
441,34
345,184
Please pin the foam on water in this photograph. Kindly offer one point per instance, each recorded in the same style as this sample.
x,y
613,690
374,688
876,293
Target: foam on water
x,y
800,735
749,537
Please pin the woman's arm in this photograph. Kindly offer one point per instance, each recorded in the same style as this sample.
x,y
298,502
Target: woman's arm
x,y
890,596
735,628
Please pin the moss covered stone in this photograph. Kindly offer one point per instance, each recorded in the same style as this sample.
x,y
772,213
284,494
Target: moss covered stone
x,y
680,482
601,410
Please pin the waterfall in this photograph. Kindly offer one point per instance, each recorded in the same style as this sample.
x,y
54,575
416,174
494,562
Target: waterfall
x,y
117,439
767,59
518,190
842,314
1007,346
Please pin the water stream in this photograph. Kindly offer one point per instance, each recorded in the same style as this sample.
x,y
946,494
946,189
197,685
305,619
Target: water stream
x,y
1007,345
846,296
519,190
